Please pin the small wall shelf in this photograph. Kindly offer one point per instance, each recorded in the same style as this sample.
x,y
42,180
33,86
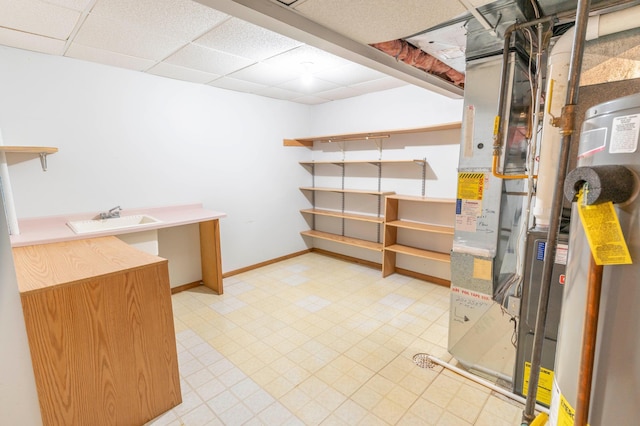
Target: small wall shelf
x,y
308,142
346,191
42,151
374,162
351,216
350,241
424,254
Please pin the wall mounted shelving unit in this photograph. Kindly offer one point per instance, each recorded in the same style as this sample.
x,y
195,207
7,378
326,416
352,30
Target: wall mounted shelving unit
x,y
386,240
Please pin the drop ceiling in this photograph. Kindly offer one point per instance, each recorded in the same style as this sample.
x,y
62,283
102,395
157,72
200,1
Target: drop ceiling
x,y
187,40
306,51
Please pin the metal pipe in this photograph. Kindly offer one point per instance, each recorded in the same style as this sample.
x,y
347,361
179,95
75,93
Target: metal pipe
x,y
502,99
499,123
568,120
590,331
483,382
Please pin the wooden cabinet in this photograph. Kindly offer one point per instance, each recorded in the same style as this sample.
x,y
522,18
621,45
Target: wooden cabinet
x,y
432,220
100,327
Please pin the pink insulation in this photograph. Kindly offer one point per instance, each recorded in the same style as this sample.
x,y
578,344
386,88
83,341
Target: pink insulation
x,y
411,55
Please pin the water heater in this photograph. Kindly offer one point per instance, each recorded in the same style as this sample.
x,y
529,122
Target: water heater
x,y
609,136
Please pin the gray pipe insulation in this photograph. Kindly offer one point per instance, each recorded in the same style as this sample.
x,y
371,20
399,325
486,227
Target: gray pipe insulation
x,y
606,183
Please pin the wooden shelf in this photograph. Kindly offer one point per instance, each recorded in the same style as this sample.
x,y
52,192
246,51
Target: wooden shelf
x,y
421,199
369,245
424,254
351,216
416,161
308,142
418,226
30,149
346,191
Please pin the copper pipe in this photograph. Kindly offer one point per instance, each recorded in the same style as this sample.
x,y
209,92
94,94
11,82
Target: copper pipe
x,y
585,376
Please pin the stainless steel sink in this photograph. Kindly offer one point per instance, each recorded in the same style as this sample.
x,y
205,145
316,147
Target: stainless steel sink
x,y
101,225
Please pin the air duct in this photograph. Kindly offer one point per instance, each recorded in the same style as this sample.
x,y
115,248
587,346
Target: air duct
x,y
411,55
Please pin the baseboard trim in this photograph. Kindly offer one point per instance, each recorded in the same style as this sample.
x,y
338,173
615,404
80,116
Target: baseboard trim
x,y
346,258
265,263
184,287
351,259
424,277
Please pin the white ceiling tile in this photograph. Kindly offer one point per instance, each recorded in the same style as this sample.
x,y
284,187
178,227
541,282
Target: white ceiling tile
x,y
375,21
278,93
31,42
262,73
208,60
308,86
306,58
180,19
378,85
349,74
38,17
339,93
116,36
235,84
87,53
310,100
79,5
180,73
244,39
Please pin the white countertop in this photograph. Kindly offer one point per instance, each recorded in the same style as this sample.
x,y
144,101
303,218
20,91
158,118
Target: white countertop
x,y
53,229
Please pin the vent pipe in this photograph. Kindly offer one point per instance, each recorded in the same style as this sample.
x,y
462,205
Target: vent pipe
x,y
557,78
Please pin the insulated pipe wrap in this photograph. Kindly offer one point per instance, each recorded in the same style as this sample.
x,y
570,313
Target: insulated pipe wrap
x,y
606,183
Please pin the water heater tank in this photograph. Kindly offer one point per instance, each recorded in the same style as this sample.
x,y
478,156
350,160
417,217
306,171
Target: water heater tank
x,y
609,136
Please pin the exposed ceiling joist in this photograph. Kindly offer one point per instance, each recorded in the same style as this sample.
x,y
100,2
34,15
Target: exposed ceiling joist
x,y
285,21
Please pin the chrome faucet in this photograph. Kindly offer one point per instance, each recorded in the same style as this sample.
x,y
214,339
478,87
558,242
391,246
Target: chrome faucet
x,y
114,212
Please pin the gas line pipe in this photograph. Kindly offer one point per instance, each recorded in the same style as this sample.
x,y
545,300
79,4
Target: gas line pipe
x,y
568,115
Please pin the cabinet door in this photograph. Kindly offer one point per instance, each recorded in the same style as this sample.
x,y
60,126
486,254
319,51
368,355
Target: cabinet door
x,y
103,349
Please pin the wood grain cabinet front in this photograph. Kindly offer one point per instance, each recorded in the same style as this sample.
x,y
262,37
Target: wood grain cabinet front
x,y
100,327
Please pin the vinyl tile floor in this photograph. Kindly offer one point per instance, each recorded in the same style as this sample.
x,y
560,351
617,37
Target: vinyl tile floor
x,y
315,340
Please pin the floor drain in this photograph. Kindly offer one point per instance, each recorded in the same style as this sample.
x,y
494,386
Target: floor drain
x,y
423,361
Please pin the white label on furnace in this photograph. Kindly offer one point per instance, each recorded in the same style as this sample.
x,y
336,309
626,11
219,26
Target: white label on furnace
x,y
624,134
561,254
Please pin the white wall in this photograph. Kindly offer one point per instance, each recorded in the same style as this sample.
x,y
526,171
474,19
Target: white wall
x,y
18,396
402,108
137,140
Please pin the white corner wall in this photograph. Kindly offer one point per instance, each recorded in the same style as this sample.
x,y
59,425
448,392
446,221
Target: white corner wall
x,y
137,140
18,396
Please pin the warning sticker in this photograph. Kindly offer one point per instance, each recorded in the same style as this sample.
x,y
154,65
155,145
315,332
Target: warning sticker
x,y
545,384
603,232
470,186
624,134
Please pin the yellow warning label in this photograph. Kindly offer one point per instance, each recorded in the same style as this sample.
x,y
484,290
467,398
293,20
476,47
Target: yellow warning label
x,y
470,186
602,227
545,383
566,413
496,125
